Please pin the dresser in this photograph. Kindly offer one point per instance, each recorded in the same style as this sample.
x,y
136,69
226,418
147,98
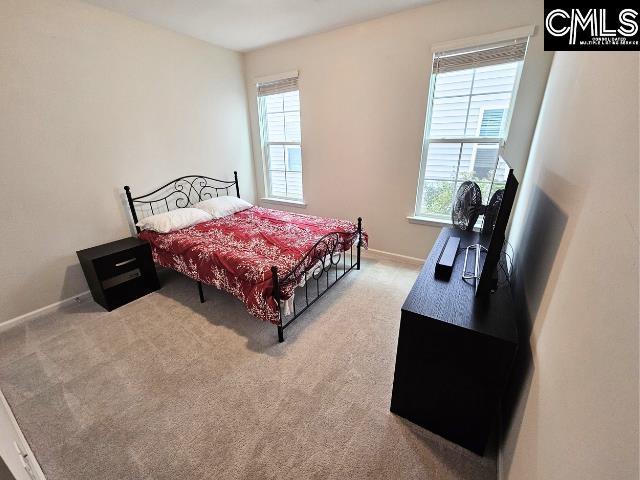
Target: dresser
x,y
455,353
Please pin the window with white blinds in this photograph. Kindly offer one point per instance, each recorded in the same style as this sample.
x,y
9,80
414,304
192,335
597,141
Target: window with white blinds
x,y
470,103
279,116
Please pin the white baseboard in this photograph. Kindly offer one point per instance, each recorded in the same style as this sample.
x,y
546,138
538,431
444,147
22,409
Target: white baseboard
x,y
380,254
41,311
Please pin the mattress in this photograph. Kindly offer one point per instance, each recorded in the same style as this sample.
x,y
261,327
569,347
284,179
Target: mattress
x,y
235,253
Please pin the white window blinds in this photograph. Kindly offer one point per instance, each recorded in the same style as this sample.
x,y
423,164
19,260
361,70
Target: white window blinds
x,y
279,116
504,52
274,87
472,93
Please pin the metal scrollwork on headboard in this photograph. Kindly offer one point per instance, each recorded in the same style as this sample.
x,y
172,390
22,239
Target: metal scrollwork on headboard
x,y
179,193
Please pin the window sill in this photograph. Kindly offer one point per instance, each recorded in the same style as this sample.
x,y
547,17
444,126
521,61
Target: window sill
x,y
435,222
284,201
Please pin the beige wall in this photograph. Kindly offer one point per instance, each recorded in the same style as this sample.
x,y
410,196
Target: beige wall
x,y
363,92
574,413
91,101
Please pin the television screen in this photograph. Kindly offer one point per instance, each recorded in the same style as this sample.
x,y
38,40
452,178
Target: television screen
x,y
493,237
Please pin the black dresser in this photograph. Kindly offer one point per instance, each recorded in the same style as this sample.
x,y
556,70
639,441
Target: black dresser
x,y
119,272
455,352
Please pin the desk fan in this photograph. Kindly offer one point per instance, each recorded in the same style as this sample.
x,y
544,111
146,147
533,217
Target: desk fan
x,y
467,207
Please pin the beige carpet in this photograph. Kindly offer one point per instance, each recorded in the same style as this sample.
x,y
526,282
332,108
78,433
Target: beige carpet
x,y
167,388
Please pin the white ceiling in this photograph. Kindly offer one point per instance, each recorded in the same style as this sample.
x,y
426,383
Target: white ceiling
x,y
249,24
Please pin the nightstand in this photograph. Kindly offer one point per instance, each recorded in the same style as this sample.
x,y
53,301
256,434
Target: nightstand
x,y
119,272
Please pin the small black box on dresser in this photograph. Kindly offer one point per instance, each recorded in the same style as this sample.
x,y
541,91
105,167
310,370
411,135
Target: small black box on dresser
x,y
119,272
455,353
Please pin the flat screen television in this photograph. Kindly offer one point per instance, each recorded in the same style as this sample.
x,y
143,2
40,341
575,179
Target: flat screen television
x,y
493,237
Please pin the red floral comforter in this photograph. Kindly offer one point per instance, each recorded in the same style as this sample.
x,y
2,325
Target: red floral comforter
x,y
236,253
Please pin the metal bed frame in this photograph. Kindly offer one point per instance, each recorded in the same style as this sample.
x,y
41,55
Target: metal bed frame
x,y
325,262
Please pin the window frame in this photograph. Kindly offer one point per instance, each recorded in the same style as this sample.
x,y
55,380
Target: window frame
x,y
265,144
418,216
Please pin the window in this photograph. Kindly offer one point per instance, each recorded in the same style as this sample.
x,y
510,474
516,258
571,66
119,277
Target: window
x,y
470,104
279,116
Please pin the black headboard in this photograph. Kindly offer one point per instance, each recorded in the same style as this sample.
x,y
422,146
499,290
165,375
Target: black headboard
x,y
179,193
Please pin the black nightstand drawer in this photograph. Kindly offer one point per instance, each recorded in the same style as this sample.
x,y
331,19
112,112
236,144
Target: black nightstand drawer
x,y
119,262
119,272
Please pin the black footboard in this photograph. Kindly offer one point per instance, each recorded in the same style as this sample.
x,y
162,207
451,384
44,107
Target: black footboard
x,y
330,259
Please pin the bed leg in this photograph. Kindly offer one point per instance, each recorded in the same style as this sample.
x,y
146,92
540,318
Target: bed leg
x,y
276,297
359,243
280,334
200,292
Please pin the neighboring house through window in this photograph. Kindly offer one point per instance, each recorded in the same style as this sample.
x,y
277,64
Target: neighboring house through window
x,y
279,117
471,97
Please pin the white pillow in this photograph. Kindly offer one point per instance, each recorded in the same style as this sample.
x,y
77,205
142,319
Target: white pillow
x,y
219,207
174,220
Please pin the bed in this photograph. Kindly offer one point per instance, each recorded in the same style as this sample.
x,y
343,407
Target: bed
x,y
277,263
